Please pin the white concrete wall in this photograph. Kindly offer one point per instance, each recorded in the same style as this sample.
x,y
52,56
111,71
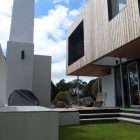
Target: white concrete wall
x,y
33,125
2,79
19,72
22,24
68,118
42,79
108,86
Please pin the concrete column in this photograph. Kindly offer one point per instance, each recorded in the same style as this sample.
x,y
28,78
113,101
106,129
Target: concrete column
x,y
22,25
20,70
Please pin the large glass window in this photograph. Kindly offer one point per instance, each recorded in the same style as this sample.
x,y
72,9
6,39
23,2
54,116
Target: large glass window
x,y
115,6
76,44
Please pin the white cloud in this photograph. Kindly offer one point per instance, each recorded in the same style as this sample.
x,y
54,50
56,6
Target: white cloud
x,y
6,7
59,72
5,17
49,34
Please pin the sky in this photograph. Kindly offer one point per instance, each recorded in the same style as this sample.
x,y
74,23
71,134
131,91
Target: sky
x,y
52,21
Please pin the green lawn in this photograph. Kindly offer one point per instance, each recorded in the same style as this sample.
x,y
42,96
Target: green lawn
x,y
111,131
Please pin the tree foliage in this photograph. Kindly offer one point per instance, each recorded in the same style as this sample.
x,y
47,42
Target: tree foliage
x,y
63,86
63,97
86,89
92,88
54,91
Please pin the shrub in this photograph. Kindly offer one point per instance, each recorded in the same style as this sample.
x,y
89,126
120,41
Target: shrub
x,y
63,97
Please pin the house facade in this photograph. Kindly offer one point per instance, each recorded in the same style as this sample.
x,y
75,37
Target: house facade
x,y
104,41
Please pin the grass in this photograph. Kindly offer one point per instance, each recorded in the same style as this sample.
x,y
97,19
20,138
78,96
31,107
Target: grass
x,y
111,131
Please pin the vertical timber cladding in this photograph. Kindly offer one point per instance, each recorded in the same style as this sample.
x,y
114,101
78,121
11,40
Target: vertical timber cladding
x,y
124,27
105,36
76,44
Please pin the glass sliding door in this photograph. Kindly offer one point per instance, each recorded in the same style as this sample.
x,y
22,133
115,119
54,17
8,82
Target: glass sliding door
x,y
119,88
134,89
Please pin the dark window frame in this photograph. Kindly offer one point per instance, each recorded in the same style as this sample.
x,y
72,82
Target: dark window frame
x,y
76,44
139,5
109,10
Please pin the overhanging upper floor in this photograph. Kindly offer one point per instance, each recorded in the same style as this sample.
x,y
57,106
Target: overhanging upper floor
x,y
103,37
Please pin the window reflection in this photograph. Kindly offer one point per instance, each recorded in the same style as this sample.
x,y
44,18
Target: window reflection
x,y
115,6
122,4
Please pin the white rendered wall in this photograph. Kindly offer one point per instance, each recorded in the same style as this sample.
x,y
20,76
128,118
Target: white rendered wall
x,y
28,125
2,79
42,79
19,72
22,25
108,86
68,118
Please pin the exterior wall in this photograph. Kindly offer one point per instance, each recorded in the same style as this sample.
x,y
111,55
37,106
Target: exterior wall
x,y
2,79
31,125
108,86
68,118
102,36
42,79
22,24
19,72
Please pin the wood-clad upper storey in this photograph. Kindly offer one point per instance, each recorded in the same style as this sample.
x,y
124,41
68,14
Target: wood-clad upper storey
x,y
119,37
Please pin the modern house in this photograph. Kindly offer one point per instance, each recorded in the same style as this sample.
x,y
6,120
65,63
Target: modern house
x,y
104,41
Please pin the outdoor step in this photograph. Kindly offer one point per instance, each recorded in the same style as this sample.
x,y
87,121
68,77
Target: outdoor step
x,y
98,120
136,111
98,110
109,115
98,115
130,114
129,120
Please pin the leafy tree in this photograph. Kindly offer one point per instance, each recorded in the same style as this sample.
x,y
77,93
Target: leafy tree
x,y
72,85
86,89
91,88
63,97
54,91
77,83
62,86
